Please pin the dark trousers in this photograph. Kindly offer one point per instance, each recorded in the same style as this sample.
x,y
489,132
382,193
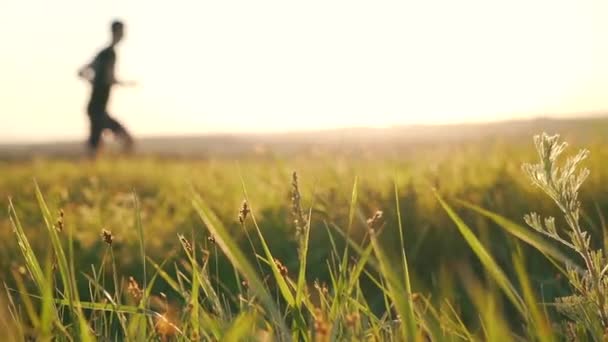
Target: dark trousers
x,y
101,120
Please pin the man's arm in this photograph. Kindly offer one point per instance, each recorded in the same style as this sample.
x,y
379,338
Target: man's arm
x,y
126,83
86,72
111,75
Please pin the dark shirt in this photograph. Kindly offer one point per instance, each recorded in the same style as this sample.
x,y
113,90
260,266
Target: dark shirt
x,y
103,68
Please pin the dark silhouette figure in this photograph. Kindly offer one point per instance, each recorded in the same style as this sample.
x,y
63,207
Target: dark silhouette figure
x,y
100,73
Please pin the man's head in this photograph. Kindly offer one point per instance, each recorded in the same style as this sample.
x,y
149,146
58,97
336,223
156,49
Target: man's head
x,y
117,31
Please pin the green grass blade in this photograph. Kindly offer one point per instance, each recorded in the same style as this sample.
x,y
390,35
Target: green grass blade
x,y
241,329
142,242
278,277
355,274
31,260
128,309
194,294
406,271
493,322
68,279
138,326
48,308
540,324
353,205
27,303
351,217
360,250
523,233
454,318
165,276
303,255
486,259
230,248
200,274
43,281
397,292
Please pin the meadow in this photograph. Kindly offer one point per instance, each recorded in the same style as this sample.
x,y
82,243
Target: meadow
x,y
419,242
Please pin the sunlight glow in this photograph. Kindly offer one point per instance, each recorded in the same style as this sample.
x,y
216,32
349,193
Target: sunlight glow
x,y
245,66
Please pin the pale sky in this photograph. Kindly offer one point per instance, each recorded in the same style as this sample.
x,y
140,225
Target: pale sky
x,y
259,65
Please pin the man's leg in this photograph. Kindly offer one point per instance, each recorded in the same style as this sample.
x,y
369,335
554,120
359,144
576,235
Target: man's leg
x,y
119,130
96,128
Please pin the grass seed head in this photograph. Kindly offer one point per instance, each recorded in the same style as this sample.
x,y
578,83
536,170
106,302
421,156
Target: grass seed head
x,y
22,270
243,212
59,223
321,325
352,319
321,287
165,326
206,254
187,245
134,290
296,205
107,236
282,268
375,222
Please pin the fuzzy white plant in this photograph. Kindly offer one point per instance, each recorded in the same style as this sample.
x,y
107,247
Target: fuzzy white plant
x,y
562,184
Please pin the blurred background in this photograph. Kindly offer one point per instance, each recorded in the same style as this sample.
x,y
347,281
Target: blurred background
x,y
274,66
235,95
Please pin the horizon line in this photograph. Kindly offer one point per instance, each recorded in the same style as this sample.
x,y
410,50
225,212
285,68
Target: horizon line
x,y
589,115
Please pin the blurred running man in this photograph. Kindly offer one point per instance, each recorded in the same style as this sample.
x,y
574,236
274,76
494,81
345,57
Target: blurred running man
x,y
100,73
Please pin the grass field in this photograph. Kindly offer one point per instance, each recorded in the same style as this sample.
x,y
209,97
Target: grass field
x,y
219,281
